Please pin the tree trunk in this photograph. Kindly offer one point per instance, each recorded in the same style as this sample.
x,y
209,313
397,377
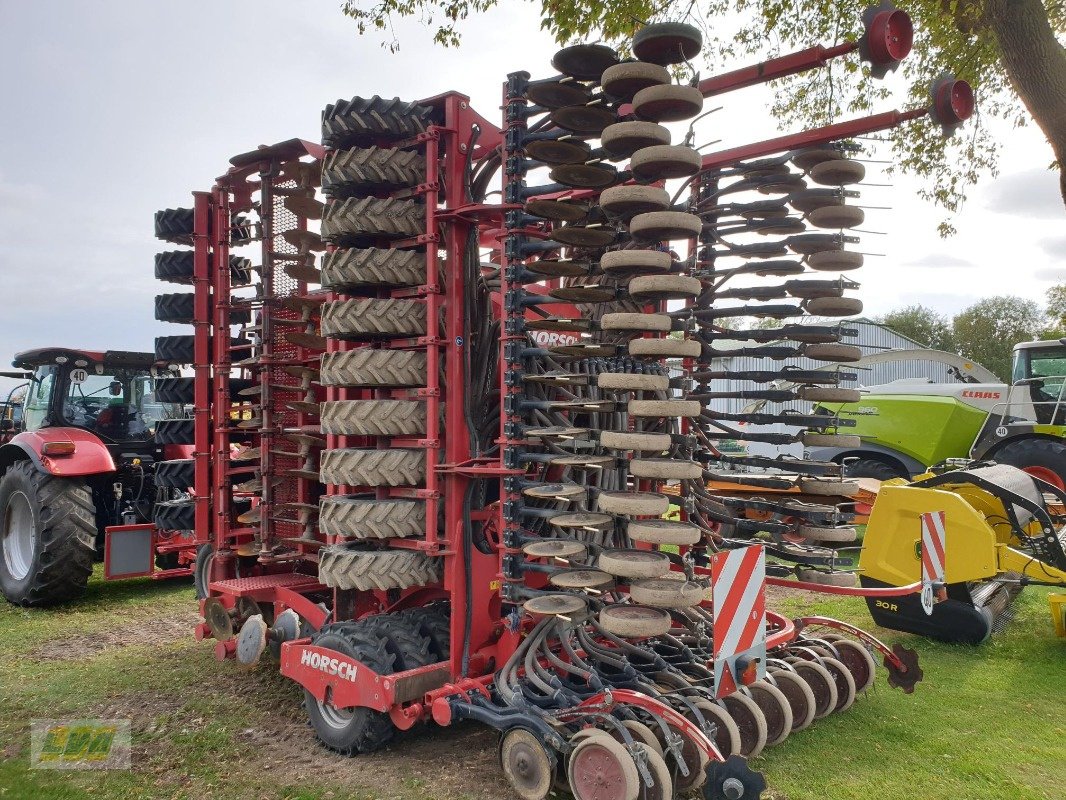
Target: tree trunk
x,y
1035,62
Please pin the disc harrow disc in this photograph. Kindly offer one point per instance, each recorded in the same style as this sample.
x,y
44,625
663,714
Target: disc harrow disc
x,y
554,548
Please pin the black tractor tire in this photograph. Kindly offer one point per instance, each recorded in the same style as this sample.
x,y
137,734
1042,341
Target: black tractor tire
x,y
177,474
1044,454
179,307
364,120
434,623
174,225
356,730
174,431
872,468
175,390
201,569
53,559
175,515
176,266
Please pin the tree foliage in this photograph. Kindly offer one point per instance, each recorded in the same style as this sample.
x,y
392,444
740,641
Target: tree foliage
x,y
922,325
982,41
988,330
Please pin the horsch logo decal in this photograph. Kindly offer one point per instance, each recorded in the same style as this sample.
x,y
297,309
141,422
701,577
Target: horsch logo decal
x,y
981,395
553,338
330,666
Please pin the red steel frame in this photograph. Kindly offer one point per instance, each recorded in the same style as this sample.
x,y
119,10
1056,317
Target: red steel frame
x,y
447,226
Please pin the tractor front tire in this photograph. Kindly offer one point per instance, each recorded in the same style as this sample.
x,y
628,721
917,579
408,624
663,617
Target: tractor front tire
x,y
871,468
1041,458
48,532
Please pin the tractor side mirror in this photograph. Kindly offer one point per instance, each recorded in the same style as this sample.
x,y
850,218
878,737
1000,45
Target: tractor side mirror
x,y
115,388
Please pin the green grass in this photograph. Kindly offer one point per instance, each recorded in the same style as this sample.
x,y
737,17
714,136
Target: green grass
x,y
985,723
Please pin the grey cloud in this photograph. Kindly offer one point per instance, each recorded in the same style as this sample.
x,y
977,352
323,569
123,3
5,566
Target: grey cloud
x,y
937,260
1032,194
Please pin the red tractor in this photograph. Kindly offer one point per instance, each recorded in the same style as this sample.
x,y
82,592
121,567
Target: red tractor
x,y
79,456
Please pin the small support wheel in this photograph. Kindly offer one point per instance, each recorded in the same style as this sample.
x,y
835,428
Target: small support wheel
x,y
602,769
527,764
733,779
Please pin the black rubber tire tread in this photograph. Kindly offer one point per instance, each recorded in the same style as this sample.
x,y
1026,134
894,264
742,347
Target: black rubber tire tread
x,y
360,218
404,640
201,568
65,521
359,518
175,515
366,367
363,120
358,467
355,268
371,167
433,622
368,730
1033,452
176,266
871,468
180,349
176,474
374,417
371,318
175,390
179,307
174,431
174,225
344,567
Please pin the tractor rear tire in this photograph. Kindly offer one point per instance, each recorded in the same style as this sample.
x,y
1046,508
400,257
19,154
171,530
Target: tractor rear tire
x,y
1040,455
48,534
354,730
871,468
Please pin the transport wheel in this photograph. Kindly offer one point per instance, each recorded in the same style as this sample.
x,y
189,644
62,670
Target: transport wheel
x,y
799,696
527,764
434,623
822,683
844,681
602,769
869,468
859,662
48,530
1041,458
775,708
352,730
201,570
354,268
750,721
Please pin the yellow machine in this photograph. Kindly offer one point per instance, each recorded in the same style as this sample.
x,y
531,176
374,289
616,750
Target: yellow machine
x,y
998,536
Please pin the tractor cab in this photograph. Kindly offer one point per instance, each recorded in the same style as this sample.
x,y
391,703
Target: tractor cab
x,y
1038,378
108,394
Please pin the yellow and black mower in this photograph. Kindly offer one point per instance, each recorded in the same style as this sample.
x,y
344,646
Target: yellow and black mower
x,y
1000,534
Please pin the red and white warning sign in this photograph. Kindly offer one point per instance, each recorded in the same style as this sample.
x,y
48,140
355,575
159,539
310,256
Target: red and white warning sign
x,y
934,535
738,598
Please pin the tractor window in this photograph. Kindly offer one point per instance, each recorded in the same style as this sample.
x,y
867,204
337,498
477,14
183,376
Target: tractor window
x,y
118,405
38,399
1049,365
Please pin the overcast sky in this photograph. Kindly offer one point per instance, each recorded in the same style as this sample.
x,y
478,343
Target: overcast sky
x,y
112,110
